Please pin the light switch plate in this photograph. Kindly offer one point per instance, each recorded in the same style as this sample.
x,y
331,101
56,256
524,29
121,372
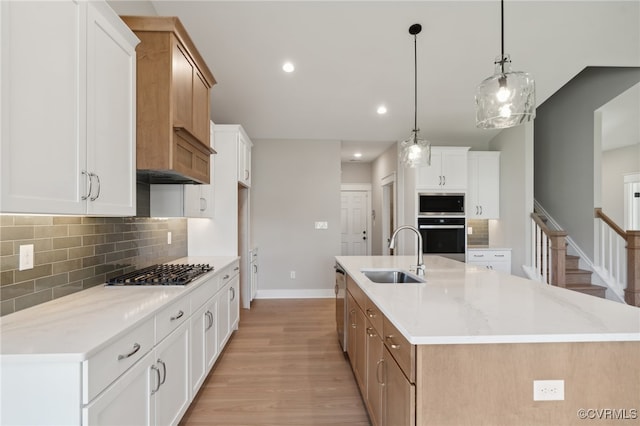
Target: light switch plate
x,y
26,257
322,225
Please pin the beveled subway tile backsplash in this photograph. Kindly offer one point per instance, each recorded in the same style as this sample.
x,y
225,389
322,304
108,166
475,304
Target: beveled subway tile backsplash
x,y
75,253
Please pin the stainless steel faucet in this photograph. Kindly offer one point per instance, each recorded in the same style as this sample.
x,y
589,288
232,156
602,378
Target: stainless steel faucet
x,y
392,245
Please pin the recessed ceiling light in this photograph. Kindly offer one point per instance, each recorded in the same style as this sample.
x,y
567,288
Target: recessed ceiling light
x,y
357,155
288,67
382,110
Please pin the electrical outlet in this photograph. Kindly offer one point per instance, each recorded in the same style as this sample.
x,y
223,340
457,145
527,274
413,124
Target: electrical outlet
x,y
469,230
169,237
548,390
322,225
292,274
26,257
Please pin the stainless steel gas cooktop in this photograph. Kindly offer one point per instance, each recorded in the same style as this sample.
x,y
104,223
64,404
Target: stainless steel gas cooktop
x,y
173,274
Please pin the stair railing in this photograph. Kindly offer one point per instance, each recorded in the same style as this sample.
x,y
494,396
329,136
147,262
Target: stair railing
x,y
549,252
618,257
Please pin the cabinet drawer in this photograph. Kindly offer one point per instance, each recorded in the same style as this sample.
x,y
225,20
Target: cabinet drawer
x,y
356,292
104,367
373,314
402,351
204,292
171,317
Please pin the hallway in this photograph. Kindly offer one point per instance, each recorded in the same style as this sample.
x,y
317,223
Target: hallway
x,y
283,366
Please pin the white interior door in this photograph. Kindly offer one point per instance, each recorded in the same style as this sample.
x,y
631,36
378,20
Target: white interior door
x,y
355,230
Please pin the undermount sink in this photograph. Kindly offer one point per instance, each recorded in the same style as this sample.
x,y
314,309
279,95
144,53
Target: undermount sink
x,y
392,276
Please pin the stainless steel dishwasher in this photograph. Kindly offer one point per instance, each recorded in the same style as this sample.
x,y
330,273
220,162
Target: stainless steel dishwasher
x,y
341,305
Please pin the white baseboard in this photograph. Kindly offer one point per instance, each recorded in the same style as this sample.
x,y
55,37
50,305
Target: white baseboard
x,y
296,294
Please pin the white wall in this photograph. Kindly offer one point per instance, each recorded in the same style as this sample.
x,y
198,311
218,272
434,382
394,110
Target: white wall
x,y
568,154
356,172
516,194
296,183
133,7
615,164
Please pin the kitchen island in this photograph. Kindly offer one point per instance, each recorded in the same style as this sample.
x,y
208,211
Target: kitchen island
x,y
478,339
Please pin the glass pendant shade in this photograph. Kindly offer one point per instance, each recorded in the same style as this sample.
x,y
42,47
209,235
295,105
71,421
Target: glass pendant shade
x,y
415,152
505,99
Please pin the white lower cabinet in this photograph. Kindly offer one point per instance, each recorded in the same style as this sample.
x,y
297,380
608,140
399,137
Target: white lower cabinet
x,y
494,259
170,393
125,402
147,376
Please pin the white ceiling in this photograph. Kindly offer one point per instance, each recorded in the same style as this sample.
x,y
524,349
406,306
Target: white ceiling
x,y
351,56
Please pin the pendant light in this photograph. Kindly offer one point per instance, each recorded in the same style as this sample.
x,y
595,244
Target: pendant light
x,y
415,152
507,98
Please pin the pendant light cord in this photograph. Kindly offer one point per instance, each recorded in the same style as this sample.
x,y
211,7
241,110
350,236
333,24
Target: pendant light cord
x,y
415,88
502,35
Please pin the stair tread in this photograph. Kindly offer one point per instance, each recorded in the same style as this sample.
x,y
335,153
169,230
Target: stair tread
x,y
585,286
578,271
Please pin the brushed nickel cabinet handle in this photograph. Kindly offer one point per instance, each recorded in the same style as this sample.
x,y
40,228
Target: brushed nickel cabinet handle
x,y
391,344
370,313
351,313
84,197
233,293
370,332
178,316
226,277
379,364
136,348
99,186
209,316
164,371
157,370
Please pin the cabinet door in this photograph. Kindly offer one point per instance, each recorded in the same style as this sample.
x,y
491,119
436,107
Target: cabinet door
x,y
203,348
201,108
454,169
234,303
127,401
352,308
222,314
182,90
399,394
360,368
484,185
173,396
42,142
111,85
375,383
431,176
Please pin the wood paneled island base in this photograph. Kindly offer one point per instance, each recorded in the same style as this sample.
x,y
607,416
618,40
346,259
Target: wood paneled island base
x,y
491,384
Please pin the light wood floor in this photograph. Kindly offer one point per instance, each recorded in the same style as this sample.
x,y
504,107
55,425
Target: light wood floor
x,y
283,366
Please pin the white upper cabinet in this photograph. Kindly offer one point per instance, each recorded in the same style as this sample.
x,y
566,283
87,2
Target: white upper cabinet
x,y
68,118
244,158
447,172
483,196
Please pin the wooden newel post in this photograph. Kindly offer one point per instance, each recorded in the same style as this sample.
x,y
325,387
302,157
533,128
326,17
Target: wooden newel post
x,y
558,258
632,292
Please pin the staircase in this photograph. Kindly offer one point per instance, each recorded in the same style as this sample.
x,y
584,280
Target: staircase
x,y
579,280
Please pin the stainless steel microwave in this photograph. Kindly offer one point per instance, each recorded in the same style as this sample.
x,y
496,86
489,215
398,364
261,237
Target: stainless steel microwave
x,y
434,204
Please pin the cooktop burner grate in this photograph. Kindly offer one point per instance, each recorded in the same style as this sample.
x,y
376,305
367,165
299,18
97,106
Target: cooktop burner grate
x,y
174,274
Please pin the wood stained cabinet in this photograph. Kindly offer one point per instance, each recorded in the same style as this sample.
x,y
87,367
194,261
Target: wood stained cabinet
x,y
173,102
399,400
375,375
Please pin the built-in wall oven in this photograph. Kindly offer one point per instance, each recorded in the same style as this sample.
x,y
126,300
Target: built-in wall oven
x,y
442,224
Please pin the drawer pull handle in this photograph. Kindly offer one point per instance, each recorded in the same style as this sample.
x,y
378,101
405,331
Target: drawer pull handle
x,y
499,255
351,313
180,314
370,313
237,268
370,332
393,345
226,277
136,348
157,370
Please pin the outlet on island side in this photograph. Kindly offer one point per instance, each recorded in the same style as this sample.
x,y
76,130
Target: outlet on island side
x,y
168,237
548,390
292,275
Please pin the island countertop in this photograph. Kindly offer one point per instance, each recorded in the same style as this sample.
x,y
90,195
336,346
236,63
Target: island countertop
x,y
465,304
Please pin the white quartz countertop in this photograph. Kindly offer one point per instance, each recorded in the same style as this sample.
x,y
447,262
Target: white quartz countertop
x,y
75,326
465,304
